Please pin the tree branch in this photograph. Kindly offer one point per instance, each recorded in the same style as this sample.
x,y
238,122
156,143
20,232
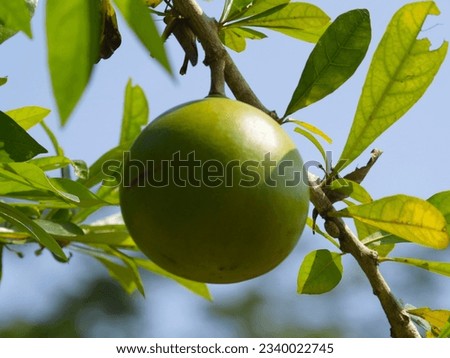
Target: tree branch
x,y
207,33
401,325
206,30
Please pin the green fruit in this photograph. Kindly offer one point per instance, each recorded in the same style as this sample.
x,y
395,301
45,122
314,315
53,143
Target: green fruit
x,y
214,191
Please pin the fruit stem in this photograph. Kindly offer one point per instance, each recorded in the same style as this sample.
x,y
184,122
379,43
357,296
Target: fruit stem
x,y
217,67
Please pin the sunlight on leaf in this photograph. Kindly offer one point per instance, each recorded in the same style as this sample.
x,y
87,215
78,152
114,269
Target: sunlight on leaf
x,y
114,235
302,21
410,218
141,22
73,40
135,114
351,189
314,141
35,177
198,288
65,230
21,221
27,117
320,272
234,37
334,59
442,202
402,68
313,129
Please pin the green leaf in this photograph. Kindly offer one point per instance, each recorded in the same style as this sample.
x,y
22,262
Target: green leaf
x,y
73,40
383,243
140,21
238,9
53,139
320,272
314,141
234,37
302,21
85,198
445,331
99,171
402,68
65,230
27,117
441,268
133,267
313,129
352,190
121,273
335,58
198,288
234,9
1,261
410,218
15,143
3,80
231,38
112,235
33,176
14,15
438,319
135,114
316,228
21,221
442,202
262,6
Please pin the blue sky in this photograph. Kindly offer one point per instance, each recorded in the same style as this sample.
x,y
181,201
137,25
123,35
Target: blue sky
x,y
415,159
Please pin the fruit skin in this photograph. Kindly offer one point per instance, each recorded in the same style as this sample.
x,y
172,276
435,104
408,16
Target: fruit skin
x,y
221,233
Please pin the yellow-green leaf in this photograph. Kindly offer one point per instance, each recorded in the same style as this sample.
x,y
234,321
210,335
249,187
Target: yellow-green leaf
x,y
300,20
21,221
313,129
410,218
442,202
402,68
438,319
441,268
141,22
314,141
15,16
28,117
234,37
320,272
135,114
198,288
